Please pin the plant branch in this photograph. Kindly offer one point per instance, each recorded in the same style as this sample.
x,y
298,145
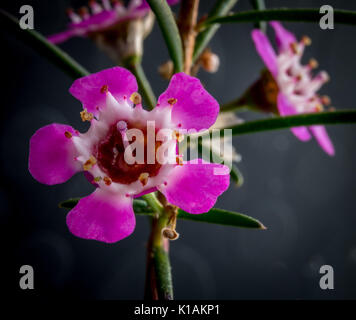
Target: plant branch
x,y
158,270
187,27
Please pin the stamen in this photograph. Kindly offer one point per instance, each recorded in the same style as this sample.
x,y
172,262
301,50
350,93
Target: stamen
x,y
68,134
172,101
89,163
73,16
313,64
143,178
104,89
306,40
86,116
319,107
325,100
97,179
324,76
177,136
107,181
84,12
106,4
95,7
136,98
179,160
294,47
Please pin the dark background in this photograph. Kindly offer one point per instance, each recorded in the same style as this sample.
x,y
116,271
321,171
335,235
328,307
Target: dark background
x,y
305,198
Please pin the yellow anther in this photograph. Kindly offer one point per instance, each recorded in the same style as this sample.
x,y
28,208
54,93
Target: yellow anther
x,y
143,178
89,163
136,98
97,179
294,47
319,107
104,89
313,63
86,116
179,160
306,40
172,101
68,134
325,100
107,181
177,136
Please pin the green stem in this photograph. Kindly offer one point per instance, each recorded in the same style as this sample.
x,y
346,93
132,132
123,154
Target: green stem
x,y
163,273
296,15
40,44
153,202
134,64
158,270
322,118
170,31
260,5
221,7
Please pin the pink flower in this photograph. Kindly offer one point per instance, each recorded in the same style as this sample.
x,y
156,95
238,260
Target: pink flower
x,y
103,16
297,86
58,151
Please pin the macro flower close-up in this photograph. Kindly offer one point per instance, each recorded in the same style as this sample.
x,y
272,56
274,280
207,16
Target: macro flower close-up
x,y
110,103
297,88
186,150
101,17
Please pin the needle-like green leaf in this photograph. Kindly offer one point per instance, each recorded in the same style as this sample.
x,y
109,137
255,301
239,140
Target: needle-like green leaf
x,y
308,119
221,8
40,44
140,206
217,216
260,5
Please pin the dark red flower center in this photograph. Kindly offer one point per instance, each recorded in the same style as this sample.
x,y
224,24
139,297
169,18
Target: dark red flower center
x,y
111,159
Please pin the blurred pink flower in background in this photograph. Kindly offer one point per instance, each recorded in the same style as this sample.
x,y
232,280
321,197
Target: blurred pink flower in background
x,y
296,84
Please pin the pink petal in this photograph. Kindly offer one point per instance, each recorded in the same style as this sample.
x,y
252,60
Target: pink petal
x,y
102,216
323,139
120,83
284,37
51,159
194,187
265,50
60,37
195,107
286,109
